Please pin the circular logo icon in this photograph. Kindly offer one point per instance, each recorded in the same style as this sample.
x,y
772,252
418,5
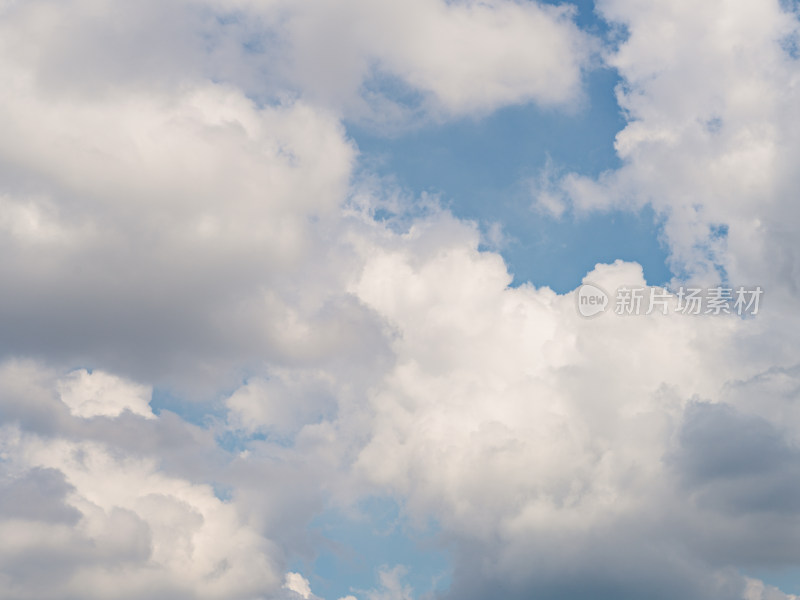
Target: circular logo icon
x,y
592,300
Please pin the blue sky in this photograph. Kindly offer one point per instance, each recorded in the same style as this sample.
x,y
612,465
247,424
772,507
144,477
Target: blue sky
x,y
482,169
359,543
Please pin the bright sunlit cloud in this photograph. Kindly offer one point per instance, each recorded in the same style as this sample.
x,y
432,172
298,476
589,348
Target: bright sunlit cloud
x,y
251,348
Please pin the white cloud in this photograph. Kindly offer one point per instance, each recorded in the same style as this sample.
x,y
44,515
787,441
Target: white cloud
x,y
392,585
358,57
476,57
710,93
452,58
163,225
526,430
282,404
139,532
298,584
182,223
92,394
167,229
756,590
124,505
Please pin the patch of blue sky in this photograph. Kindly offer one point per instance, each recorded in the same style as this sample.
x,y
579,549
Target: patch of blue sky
x,y
786,579
238,441
357,546
481,169
194,412
585,16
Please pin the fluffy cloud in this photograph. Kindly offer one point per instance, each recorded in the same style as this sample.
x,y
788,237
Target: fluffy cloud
x,y
379,62
557,453
140,532
92,517
92,394
298,584
460,57
503,416
166,220
162,221
163,226
711,97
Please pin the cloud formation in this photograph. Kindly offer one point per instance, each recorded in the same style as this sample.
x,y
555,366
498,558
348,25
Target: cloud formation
x,y
181,209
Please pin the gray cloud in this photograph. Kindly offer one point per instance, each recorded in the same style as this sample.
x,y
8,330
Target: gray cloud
x,y
37,495
177,210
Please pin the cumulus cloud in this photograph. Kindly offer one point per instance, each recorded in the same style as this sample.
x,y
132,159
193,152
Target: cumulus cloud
x,y
298,584
165,221
124,530
169,214
151,223
85,512
379,61
710,94
531,433
92,394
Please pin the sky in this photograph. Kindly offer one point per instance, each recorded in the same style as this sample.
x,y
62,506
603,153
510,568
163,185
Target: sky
x,y
357,300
